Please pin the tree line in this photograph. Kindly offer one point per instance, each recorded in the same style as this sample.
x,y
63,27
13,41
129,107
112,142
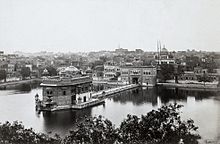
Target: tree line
x,y
160,126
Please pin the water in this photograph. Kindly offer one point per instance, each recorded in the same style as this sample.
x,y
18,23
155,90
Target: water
x,y
17,103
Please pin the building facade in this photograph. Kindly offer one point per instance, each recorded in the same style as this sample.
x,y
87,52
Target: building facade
x,y
144,75
110,70
65,91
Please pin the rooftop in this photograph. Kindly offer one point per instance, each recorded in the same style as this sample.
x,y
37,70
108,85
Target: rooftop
x,y
132,66
59,81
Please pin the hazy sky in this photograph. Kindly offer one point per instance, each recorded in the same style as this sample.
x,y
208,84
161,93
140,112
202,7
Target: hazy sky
x,y
92,25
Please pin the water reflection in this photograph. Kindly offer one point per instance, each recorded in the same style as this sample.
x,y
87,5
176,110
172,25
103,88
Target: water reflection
x,y
137,96
176,94
62,121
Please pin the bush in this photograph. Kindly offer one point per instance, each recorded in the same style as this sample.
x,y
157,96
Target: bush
x,y
161,126
94,130
15,133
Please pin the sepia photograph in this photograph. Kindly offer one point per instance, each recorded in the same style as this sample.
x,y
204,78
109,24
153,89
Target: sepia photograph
x,y
109,72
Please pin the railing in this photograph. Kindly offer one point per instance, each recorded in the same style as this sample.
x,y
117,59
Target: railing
x,y
87,104
100,94
65,81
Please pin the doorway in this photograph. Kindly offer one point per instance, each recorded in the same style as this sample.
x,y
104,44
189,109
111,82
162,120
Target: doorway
x,y
135,80
73,99
84,99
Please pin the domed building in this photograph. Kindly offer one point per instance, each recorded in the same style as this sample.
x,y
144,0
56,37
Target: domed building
x,y
68,71
164,57
71,69
164,51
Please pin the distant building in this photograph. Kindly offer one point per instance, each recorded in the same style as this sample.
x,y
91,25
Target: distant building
x,y
3,65
30,66
1,52
163,57
98,73
88,72
144,75
110,70
45,72
139,51
11,68
12,56
121,50
3,58
198,72
68,71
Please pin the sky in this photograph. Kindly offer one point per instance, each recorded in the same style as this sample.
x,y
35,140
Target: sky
x,y
93,25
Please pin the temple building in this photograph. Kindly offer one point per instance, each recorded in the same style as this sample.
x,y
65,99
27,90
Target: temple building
x,y
63,92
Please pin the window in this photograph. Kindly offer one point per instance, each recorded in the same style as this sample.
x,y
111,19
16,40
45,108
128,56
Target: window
x,y
49,92
64,92
72,90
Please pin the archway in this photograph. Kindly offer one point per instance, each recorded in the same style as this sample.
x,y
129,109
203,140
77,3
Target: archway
x,y
135,80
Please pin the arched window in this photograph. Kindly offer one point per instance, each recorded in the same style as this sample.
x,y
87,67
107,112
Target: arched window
x,y
49,92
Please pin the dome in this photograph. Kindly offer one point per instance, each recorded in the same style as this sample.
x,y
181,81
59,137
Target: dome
x,y
164,50
71,69
61,69
89,70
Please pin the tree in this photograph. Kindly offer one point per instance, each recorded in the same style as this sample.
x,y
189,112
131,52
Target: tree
x,y
3,75
160,126
104,58
178,71
52,71
25,72
208,62
204,78
166,72
93,131
15,133
191,62
157,127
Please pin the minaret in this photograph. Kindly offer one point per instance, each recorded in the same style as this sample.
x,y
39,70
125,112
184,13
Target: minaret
x,y
158,50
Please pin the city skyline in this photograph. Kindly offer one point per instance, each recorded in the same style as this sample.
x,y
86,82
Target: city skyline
x,y
84,26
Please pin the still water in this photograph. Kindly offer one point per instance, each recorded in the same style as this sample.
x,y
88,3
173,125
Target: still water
x,y
17,103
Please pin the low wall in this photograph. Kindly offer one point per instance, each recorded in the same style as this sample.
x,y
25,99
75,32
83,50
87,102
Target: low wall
x,y
19,82
198,86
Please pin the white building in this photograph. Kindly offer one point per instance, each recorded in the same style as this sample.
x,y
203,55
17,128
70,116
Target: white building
x,y
110,70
